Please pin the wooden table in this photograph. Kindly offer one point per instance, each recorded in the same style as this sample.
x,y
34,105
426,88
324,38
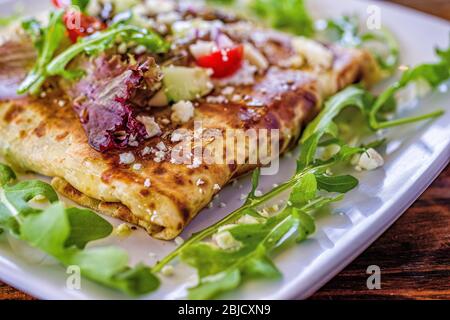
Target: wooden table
x,y
414,254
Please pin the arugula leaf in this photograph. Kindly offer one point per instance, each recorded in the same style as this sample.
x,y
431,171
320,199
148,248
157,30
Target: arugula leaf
x,y
81,4
64,233
21,193
341,184
433,73
349,97
100,41
52,37
214,285
85,227
35,31
7,175
304,190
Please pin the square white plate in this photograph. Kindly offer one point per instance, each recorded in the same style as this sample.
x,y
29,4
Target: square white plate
x,y
414,157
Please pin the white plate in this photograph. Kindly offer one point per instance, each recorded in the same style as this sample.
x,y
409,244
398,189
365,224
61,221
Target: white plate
x,y
414,157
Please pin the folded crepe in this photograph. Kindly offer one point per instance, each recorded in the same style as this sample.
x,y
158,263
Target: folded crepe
x,y
60,135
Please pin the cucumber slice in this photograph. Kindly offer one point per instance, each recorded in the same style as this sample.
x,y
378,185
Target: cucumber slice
x,y
182,83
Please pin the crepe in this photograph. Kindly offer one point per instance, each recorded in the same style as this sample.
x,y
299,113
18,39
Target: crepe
x,y
43,135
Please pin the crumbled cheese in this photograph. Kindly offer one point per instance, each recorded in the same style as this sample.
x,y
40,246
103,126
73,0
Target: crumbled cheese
x,y
216,99
159,6
200,182
248,219
370,160
178,135
258,193
126,158
168,17
202,48
122,48
147,183
210,205
159,156
168,271
255,57
137,166
222,205
182,112
61,103
161,146
243,77
216,187
195,163
123,230
295,61
315,53
179,241
140,49
151,126
146,151
226,241
228,91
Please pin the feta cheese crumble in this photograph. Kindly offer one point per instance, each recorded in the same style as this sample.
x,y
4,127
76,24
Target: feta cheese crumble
x,y
226,241
370,160
182,112
126,158
151,126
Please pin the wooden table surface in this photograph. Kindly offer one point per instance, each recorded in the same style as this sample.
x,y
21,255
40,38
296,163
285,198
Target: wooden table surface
x,y
414,254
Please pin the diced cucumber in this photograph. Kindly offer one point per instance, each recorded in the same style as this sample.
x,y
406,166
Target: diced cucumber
x,y
182,83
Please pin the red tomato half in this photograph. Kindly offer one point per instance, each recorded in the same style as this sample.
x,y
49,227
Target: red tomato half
x,y
224,62
81,25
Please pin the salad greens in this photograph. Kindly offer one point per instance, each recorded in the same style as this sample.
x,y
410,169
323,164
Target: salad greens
x,y
288,15
221,269
50,39
64,234
47,41
434,74
346,31
101,41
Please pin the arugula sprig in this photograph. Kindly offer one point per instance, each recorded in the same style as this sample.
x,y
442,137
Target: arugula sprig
x,y
47,41
101,41
221,269
433,74
345,31
64,234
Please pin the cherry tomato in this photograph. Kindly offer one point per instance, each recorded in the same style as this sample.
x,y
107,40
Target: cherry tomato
x,y
81,25
224,62
61,3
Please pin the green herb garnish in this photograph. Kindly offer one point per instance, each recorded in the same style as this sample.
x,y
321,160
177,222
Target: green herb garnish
x,y
47,41
64,233
434,74
222,270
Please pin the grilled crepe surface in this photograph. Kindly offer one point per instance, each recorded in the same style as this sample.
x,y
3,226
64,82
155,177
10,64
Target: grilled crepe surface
x,y
40,135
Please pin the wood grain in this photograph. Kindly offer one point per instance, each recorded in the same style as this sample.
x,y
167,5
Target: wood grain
x,y
414,254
